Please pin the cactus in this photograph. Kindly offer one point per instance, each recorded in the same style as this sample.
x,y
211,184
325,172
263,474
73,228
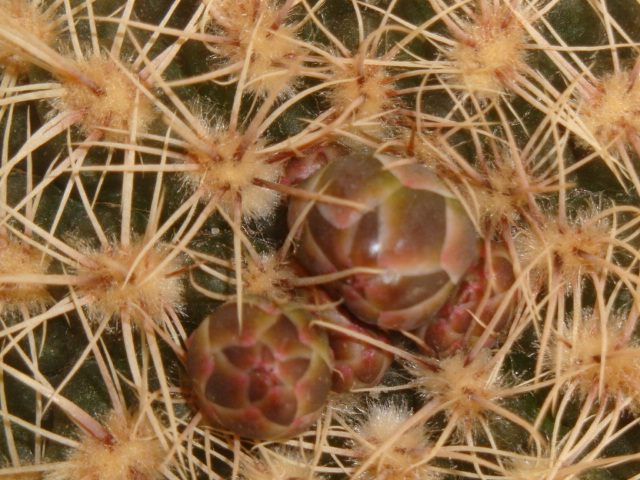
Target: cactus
x,y
149,150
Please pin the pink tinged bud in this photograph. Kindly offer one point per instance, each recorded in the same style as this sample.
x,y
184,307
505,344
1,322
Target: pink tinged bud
x,y
358,363
458,253
415,231
298,169
291,371
417,177
201,367
280,406
359,180
227,389
481,302
208,411
412,241
343,378
263,388
306,335
301,168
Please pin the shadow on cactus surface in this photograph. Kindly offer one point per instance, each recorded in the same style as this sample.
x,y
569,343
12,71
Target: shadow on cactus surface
x,y
149,150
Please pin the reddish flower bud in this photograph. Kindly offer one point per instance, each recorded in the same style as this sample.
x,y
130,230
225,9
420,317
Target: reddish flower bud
x,y
266,380
481,302
415,232
358,363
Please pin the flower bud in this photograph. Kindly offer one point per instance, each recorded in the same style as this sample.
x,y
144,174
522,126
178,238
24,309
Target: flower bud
x,y
482,302
412,230
264,378
358,362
